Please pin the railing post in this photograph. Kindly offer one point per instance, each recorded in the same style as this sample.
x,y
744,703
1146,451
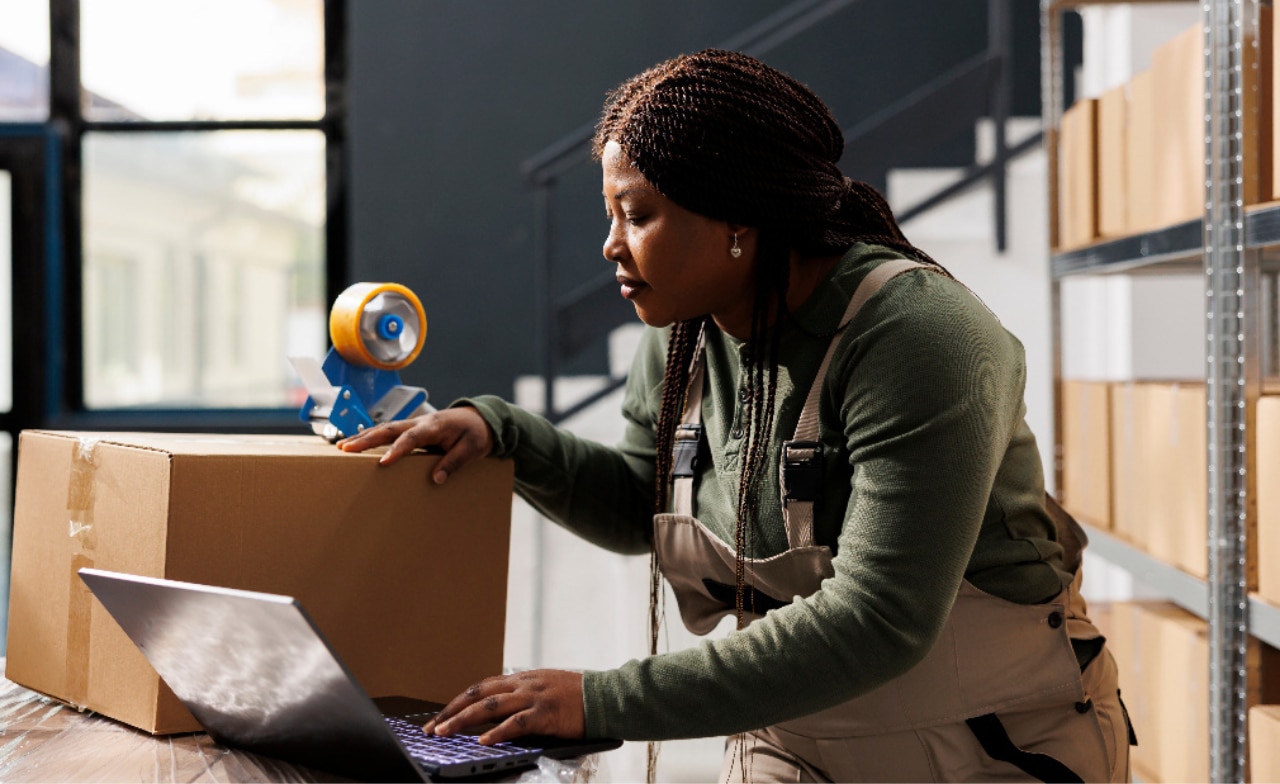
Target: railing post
x,y
998,45
544,297
544,294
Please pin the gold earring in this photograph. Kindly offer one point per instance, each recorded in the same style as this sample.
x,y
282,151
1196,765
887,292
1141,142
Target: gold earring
x,y
735,251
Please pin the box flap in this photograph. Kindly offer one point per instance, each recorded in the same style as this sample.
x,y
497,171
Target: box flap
x,y
212,443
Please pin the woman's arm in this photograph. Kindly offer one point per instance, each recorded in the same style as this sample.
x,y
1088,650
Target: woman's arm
x,y
931,396
604,494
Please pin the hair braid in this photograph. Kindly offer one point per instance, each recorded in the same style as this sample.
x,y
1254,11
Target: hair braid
x,y
681,345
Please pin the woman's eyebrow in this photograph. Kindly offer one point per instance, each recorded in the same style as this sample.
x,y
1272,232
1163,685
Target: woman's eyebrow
x,y
634,189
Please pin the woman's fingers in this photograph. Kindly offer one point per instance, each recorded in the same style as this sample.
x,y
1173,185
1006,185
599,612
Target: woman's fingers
x,y
461,432
471,439
377,435
538,702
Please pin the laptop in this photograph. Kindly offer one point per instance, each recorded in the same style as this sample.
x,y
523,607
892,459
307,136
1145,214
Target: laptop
x,y
255,670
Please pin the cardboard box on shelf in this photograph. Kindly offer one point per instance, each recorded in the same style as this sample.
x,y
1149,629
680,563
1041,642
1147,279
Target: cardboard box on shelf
x,y
1177,72
1130,504
1268,494
1078,165
1182,715
1086,451
1162,654
1189,484
1259,86
1136,659
1140,161
406,578
1264,743
1113,189
1156,473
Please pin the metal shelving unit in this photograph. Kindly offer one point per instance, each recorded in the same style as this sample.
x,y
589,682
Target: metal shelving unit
x,y
1185,590
1226,246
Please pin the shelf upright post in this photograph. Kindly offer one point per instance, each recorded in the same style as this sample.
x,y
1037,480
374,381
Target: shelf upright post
x,y
1051,99
1227,325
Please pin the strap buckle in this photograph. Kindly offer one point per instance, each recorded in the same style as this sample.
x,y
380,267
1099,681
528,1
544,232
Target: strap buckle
x,y
685,459
802,471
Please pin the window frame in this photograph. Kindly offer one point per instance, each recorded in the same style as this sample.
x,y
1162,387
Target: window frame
x,y
64,405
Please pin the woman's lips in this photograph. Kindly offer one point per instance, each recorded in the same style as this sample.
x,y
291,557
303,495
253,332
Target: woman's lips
x,y
631,288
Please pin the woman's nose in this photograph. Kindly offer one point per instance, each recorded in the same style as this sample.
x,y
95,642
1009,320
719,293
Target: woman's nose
x,y
613,246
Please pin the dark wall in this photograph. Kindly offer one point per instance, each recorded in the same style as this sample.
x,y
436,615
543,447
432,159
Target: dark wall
x,y
448,98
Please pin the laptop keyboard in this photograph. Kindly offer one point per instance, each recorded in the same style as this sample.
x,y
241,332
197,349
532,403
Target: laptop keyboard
x,y
439,750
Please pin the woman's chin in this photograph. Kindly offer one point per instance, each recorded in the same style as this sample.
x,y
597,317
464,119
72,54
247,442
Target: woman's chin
x,y
653,319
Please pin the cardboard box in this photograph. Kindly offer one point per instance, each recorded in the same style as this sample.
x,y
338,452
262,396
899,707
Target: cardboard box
x,y
1136,657
1177,72
1078,171
1268,492
1140,155
406,578
1130,508
1264,743
1259,179
1189,480
1162,654
1086,451
1113,189
1182,715
1157,472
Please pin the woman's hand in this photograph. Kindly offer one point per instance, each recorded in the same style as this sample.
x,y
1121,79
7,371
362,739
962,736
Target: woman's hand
x,y
534,702
461,432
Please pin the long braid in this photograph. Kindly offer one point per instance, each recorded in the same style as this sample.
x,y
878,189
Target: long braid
x,y
680,352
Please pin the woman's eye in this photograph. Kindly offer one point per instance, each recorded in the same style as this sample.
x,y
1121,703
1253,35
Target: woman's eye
x,y
635,220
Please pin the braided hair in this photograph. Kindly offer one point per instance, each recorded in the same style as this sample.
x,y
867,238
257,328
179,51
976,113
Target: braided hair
x,y
730,138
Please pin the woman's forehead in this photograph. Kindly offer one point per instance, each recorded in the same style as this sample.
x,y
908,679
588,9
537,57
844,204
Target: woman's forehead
x,y
620,172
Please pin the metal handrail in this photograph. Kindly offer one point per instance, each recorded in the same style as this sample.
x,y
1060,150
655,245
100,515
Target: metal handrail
x,y
976,88
756,40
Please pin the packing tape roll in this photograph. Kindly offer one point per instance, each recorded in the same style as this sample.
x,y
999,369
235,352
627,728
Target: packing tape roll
x,y
380,325
80,497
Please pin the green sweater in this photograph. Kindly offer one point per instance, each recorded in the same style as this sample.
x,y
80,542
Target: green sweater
x,y
923,433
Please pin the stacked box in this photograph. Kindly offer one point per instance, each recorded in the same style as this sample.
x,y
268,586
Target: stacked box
x,y
1162,653
1268,492
1130,513
1113,163
1086,447
1140,160
1177,73
1160,471
1078,172
1264,743
405,577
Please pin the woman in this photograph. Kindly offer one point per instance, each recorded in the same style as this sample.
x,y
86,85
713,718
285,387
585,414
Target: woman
x,y
845,420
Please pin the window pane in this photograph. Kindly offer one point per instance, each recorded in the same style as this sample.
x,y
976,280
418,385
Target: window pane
x,y
6,292
203,59
203,267
24,60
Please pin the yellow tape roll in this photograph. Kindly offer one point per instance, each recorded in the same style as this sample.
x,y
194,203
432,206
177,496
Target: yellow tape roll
x,y
379,325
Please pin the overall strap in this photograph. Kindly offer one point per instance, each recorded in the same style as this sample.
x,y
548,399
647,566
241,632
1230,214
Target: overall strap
x,y
689,434
801,472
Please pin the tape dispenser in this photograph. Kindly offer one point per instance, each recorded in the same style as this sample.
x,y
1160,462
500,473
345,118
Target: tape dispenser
x,y
376,329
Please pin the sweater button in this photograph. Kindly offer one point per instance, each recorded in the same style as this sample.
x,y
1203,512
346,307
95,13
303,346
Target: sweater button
x,y
743,394
1055,619
737,432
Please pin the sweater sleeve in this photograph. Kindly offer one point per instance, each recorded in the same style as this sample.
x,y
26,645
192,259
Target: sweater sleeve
x,y
603,494
927,416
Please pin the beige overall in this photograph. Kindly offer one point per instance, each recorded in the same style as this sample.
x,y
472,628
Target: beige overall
x,y
999,697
